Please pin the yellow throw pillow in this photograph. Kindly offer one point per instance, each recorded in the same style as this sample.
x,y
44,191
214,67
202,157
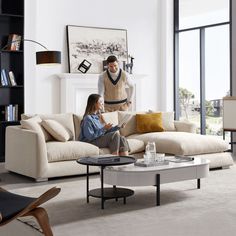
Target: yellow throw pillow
x,y
146,123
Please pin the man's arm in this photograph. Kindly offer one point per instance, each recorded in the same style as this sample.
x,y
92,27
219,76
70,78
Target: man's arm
x,y
130,84
101,88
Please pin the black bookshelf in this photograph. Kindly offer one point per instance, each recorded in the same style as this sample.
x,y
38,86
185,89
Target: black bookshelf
x,y
11,22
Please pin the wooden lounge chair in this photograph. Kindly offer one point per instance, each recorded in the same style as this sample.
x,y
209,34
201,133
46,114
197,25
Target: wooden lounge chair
x,y
13,206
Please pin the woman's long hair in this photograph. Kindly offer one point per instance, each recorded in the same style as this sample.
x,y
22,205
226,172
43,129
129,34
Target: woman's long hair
x,y
91,105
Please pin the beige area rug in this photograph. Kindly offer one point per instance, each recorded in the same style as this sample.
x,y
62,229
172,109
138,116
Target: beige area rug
x,y
184,210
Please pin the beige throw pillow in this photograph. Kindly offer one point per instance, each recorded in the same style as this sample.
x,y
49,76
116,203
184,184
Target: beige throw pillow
x,y
65,119
57,131
33,124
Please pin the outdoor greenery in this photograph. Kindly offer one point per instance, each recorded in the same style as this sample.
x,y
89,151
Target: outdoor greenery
x,y
185,97
191,112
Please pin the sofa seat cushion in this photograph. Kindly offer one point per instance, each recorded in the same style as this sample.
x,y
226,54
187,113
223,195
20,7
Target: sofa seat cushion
x,y
135,146
71,150
182,143
223,159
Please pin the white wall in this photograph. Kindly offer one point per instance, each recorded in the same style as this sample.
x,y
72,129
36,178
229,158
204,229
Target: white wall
x,y
45,21
166,56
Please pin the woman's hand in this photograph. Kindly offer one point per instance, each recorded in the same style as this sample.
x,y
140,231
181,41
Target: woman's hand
x,y
123,125
101,119
108,126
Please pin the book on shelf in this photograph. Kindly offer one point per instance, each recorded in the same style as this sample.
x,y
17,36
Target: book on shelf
x,y
11,112
12,78
14,41
5,80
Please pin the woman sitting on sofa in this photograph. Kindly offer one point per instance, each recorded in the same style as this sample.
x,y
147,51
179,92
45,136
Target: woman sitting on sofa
x,y
96,131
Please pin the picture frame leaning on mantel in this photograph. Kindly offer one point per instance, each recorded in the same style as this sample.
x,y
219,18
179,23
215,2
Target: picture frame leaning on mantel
x,y
95,44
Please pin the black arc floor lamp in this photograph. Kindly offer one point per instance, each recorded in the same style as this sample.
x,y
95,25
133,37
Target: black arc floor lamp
x,y
42,57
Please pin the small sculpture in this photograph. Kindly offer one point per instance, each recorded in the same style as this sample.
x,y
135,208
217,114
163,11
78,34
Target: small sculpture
x,y
129,66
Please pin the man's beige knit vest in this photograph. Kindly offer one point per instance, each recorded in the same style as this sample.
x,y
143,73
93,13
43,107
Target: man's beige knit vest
x,y
115,92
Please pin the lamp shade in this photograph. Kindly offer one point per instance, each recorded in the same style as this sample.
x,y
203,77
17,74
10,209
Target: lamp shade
x,y
48,57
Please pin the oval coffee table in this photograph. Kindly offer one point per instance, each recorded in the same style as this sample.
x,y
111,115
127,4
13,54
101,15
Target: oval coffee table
x,y
155,176
107,193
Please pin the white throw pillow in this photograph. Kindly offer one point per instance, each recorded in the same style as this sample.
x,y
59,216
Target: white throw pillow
x,y
57,131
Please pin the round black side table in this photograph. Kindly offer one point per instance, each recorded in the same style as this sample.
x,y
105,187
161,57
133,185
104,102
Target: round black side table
x,y
106,193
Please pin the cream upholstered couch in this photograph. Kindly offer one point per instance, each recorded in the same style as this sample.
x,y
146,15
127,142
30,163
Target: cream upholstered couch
x,y
33,152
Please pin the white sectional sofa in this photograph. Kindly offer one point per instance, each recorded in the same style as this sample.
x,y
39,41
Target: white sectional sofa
x,y
34,153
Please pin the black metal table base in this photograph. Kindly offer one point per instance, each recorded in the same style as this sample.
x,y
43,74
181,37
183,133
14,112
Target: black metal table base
x,y
158,188
107,193
111,193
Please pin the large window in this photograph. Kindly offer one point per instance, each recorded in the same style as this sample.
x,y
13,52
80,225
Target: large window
x,y
195,13
202,62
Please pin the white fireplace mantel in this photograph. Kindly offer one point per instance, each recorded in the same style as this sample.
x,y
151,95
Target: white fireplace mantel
x,y
75,89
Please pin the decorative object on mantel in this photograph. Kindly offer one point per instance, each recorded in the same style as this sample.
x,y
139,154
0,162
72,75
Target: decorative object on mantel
x,y
84,66
104,65
129,66
94,44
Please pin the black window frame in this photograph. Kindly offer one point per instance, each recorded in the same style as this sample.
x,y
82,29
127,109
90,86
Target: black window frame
x,y
201,28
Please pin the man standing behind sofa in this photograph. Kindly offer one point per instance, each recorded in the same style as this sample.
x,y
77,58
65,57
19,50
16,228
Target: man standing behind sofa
x,y
111,86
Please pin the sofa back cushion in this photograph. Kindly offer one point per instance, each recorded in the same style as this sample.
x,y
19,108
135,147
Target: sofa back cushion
x,y
151,122
65,119
130,127
77,121
168,121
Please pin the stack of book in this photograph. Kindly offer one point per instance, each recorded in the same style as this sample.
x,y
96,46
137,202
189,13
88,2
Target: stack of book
x,y
7,78
11,112
103,159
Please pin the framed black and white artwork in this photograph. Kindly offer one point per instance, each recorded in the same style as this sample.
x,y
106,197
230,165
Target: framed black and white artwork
x,y
94,45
